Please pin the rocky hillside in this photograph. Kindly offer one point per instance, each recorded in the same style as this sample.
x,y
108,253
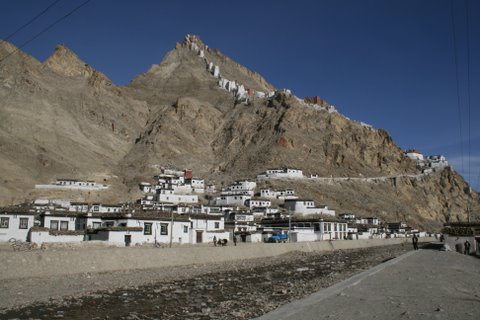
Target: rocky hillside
x,y
62,118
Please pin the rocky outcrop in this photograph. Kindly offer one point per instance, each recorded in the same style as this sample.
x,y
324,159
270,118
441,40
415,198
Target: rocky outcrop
x,y
66,63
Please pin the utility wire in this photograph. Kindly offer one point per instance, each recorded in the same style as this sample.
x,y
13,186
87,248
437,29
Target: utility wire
x,y
457,80
45,29
31,20
468,89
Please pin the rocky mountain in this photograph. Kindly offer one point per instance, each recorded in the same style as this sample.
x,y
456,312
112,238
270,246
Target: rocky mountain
x,y
63,118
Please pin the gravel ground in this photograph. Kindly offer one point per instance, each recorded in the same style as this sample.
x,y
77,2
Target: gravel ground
x,y
234,290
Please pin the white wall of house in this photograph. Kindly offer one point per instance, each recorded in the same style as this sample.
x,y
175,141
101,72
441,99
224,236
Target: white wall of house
x,y
117,238
73,184
305,207
203,230
40,237
197,183
105,208
59,222
78,207
177,198
153,231
244,217
15,226
254,237
182,189
415,155
229,200
258,203
281,174
162,230
241,185
304,234
268,193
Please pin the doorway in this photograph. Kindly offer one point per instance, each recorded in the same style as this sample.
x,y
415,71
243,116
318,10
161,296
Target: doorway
x,y
128,240
199,236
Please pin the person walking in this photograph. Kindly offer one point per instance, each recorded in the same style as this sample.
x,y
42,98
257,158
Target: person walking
x,y
415,242
234,240
214,241
466,247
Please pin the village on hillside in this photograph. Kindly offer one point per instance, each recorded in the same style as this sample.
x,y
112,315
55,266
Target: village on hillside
x,y
179,208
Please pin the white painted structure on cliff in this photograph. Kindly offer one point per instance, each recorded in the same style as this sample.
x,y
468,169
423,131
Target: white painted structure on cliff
x,y
286,173
73,184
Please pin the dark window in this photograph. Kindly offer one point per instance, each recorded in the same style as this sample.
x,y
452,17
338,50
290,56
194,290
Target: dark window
x,y
4,222
64,225
23,223
217,225
185,229
164,229
147,228
53,224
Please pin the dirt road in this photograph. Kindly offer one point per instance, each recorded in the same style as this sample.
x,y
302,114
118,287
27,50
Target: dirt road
x,y
235,290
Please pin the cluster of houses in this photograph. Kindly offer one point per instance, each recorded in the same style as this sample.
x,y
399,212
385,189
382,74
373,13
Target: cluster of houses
x,y
182,209
427,164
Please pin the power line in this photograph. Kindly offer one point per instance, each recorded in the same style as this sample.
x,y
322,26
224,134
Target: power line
x,y
45,29
468,89
31,20
457,80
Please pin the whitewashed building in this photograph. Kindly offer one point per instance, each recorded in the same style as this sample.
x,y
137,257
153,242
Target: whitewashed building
x,y
73,184
241,186
232,200
306,207
197,185
78,207
128,230
177,198
266,212
106,208
280,194
216,71
146,187
414,155
15,224
205,227
437,161
286,173
258,203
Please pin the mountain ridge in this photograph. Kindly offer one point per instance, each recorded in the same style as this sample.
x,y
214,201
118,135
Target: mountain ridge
x,y
64,118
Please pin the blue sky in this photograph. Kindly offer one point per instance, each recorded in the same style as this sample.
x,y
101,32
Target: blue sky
x,y
387,63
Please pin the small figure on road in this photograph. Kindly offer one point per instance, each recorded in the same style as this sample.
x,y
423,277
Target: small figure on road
x,y
215,241
415,242
442,238
466,246
234,240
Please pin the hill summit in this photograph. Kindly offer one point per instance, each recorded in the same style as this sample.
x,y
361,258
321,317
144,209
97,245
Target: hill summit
x,y
199,109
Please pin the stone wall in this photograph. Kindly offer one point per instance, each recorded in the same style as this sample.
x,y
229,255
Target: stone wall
x,y
46,263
